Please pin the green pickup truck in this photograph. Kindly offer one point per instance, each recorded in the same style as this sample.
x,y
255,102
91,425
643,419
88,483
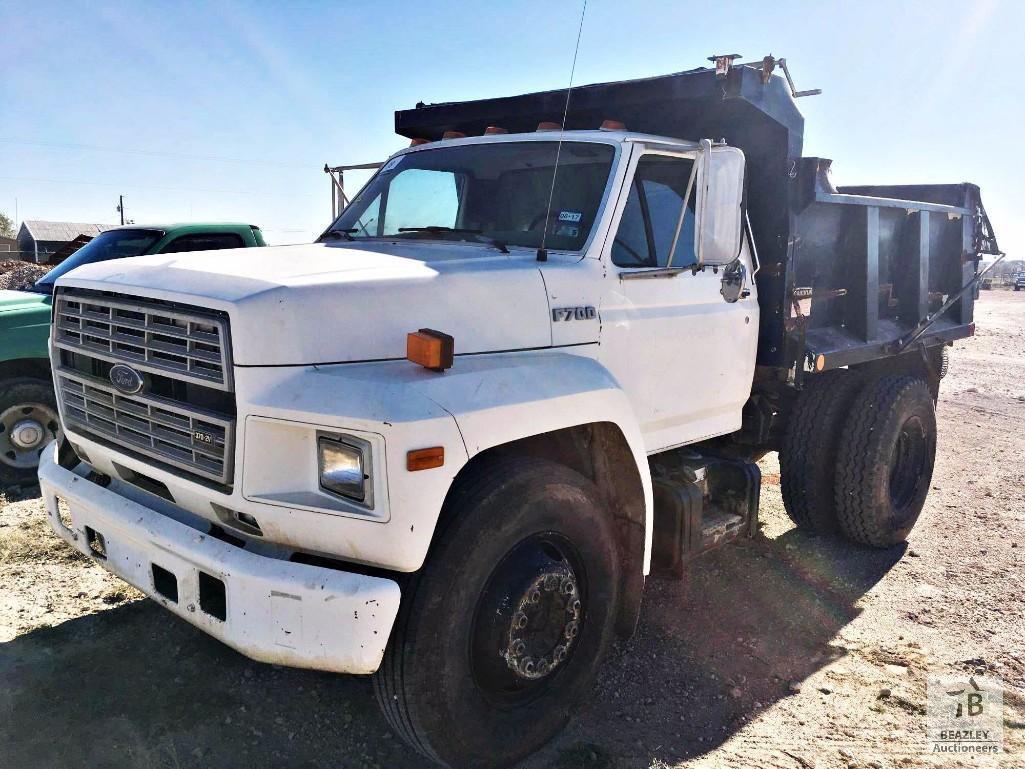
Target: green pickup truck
x,y
28,411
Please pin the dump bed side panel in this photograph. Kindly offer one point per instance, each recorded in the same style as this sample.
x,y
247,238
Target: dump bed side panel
x,y
871,263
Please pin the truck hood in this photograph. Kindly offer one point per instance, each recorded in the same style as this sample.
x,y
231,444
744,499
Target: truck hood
x,y
345,302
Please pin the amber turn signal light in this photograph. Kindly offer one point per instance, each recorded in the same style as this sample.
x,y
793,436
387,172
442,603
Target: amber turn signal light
x,y
425,459
430,349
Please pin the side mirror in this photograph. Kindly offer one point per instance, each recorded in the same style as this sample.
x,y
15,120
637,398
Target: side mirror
x,y
719,204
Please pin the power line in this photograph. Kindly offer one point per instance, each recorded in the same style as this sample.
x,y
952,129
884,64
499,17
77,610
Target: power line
x,y
153,153
148,186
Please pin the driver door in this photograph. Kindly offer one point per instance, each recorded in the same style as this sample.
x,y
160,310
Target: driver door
x,y
682,353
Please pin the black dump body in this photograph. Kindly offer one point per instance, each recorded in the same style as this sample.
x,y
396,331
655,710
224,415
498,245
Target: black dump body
x,y
845,273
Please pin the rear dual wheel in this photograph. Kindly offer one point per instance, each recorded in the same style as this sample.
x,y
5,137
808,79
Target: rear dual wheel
x,y
858,456
885,461
504,628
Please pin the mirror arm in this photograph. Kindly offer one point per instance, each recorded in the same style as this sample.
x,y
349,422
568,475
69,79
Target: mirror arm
x,y
683,213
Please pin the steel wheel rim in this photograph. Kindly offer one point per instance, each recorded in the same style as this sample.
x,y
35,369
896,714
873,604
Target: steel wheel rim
x,y
907,467
528,620
16,427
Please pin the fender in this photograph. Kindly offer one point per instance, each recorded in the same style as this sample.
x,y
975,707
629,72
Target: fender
x,y
497,399
25,329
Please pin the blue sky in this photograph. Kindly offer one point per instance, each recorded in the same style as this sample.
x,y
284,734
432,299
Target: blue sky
x,y
228,110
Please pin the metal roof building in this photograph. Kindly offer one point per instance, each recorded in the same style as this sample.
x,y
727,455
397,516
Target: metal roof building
x,y
38,239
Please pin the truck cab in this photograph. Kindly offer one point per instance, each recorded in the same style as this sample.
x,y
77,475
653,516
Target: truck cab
x,y
445,444
28,412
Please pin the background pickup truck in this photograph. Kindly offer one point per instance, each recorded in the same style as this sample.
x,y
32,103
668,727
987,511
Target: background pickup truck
x,y
28,412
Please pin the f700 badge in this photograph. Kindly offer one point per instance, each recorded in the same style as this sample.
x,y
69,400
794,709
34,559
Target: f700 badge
x,y
573,313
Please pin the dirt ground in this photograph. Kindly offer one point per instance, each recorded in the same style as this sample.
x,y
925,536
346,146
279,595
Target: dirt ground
x,y
783,651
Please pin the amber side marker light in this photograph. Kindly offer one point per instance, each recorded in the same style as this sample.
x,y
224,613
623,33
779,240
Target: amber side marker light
x,y
425,459
430,349
492,130
453,135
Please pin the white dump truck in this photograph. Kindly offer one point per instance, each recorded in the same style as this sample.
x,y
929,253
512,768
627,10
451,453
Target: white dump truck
x,y
534,361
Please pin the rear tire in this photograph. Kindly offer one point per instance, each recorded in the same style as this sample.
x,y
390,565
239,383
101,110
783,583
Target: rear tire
x,y
455,682
886,459
807,459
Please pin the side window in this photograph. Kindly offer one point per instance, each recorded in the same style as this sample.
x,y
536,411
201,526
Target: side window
x,y
210,241
421,198
652,216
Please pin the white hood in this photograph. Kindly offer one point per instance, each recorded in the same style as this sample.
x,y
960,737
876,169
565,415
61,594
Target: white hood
x,y
334,303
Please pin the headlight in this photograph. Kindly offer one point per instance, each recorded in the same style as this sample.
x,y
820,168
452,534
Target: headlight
x,y
345,467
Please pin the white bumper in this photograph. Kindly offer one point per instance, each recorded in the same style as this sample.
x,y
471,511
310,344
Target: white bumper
x,y
274,610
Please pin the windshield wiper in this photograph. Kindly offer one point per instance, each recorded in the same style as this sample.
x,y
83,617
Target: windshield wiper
x,y
435,229
340,234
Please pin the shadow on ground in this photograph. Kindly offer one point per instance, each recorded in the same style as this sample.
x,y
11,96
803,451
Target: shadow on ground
x,y
136,687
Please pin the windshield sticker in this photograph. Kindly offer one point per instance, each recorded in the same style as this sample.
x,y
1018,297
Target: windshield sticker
x,y
570,216
567,230
391,164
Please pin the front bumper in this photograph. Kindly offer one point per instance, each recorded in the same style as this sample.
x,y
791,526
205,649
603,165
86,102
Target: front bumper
x,y
269,609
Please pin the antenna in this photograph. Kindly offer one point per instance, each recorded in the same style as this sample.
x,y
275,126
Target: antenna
x,y
542,252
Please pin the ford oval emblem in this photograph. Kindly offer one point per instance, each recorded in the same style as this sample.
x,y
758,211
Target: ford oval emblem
x,y
126,379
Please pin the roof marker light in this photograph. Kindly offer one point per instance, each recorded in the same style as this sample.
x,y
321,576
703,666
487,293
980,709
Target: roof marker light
x,y
612,125
491,130
547,125
417,142
453,135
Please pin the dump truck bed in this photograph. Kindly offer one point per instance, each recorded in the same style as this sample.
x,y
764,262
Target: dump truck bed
x,y
845,273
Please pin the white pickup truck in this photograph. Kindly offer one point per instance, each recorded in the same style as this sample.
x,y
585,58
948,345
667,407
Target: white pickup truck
x,y
520,372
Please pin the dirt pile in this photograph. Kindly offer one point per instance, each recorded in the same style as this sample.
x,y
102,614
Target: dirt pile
x,y
18,275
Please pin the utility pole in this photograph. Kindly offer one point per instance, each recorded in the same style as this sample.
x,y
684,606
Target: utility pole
x,y
121,208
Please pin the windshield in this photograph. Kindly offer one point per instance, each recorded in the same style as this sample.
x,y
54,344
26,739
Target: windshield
x,y
495,192
112,244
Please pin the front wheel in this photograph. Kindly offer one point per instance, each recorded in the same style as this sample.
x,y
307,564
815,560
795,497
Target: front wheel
x,y
885,462
503,630
28,423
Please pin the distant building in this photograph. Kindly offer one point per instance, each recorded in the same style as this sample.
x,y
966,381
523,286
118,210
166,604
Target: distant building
x,y
39,240
7,245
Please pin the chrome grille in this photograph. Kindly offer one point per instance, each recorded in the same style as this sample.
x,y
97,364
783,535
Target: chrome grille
x,y
185,437
184,415
188,345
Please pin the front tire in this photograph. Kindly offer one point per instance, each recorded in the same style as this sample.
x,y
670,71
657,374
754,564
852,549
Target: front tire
x,y
502,631
885,462
28,423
